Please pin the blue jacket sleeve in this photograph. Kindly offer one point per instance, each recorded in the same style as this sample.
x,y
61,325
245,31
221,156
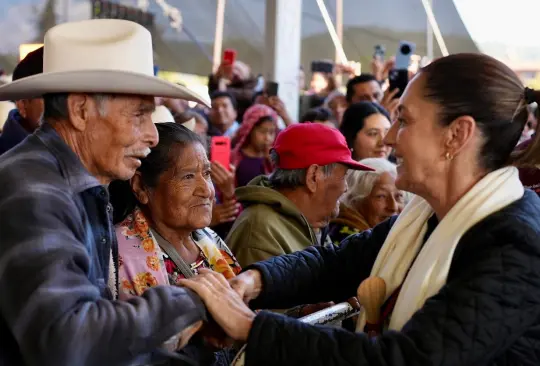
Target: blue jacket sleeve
x,y
52,310
486,314
320,274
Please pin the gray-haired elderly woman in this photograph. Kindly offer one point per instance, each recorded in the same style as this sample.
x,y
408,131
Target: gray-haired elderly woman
x,y
372,198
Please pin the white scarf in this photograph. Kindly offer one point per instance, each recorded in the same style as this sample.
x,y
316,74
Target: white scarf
x,y
430,270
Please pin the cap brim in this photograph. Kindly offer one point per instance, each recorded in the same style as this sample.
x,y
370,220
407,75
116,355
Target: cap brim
x,y
97,81
354,165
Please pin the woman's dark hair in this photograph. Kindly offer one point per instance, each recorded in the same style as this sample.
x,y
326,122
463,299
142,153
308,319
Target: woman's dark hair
x,y
317,114
485,89
172,139
354,117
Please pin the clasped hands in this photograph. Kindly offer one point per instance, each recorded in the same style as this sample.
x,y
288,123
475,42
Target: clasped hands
x,y
227,300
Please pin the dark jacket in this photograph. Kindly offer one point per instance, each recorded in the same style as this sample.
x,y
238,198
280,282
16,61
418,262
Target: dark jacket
x,y
13,132
488,313
56,238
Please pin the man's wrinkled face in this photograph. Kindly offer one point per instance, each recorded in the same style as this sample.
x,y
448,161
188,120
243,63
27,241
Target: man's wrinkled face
x,y
119,133
329,191
223,114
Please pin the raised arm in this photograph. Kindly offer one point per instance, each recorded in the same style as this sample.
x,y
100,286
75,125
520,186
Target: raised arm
x,y
319,274
487,305
55,314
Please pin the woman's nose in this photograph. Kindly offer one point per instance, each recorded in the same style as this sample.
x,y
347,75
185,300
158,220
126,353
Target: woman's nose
x,y
204,188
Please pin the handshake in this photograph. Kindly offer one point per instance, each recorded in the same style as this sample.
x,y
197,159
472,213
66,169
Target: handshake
x,y
227,303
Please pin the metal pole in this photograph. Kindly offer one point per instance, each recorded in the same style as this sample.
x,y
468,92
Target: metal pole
x,y
429,34
218,39
332,31
339,25
436,31
66,11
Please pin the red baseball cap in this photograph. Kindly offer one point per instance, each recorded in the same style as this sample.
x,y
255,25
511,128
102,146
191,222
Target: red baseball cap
x,y
304,144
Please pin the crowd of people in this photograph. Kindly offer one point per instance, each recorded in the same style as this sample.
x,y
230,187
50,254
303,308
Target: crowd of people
x,y
125,242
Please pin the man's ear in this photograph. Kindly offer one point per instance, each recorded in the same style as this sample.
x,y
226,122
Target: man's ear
x,y
314,175
138,188
460,132
81,108
21,107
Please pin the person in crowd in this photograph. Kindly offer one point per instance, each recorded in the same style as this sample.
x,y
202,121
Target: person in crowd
x,y
532,123
238,81
526,155
372,198
337,102
59,274
461,263
364,126
223,115
162,216
285,212
319,115
366,88
25,119
251,155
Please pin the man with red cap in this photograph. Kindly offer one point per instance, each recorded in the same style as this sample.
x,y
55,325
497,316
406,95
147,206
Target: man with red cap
x,y
286,211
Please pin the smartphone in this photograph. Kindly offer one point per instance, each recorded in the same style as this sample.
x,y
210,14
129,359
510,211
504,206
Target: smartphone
x,y
398,79
322,66
220,151
404,53
272,89
229,56
379,52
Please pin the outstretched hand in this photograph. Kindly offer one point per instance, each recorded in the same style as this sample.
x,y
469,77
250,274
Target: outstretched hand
x,y
223,302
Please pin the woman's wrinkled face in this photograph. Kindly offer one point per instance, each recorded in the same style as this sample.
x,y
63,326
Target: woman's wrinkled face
x,y
418,139
184,194
384,201
263,136
369,142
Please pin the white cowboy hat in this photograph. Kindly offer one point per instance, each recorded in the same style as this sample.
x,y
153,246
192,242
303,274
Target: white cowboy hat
x,y
98,56
162,114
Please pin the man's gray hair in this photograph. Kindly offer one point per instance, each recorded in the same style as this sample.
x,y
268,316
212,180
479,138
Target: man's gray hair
x,y
292,178
56,105
361,182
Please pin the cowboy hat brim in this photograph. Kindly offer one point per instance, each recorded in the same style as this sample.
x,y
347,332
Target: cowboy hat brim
x,y
97,81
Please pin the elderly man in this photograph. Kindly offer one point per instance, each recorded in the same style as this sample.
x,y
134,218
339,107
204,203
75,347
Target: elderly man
x,y
25,119
58,253
285,212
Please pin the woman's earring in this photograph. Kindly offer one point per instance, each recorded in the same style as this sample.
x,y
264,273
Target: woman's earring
x,y
448,156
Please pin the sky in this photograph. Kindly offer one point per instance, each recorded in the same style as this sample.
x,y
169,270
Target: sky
x,y
514,22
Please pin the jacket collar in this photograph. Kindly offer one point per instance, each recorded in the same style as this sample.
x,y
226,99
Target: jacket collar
x,y
72,168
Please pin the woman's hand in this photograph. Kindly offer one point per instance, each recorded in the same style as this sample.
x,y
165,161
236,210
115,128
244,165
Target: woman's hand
x,y
247,284
277,104
226,307
225,212
224,179
390,103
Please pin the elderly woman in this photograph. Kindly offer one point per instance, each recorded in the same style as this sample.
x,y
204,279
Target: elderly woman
x,y
460,265
364,126
161,218
372,198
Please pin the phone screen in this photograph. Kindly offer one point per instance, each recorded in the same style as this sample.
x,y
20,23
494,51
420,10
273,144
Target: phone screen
x,y
272,89
229,56
220,151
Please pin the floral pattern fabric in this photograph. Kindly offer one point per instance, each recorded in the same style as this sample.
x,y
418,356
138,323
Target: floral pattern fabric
x,y
143,264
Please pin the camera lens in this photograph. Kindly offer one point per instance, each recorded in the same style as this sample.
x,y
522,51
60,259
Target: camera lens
x,y
405,49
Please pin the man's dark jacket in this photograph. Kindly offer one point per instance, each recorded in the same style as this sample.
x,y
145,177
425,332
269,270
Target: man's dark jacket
x,y
488,313
56,237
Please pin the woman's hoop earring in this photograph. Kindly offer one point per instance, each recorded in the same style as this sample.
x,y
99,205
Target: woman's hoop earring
x,y
448,156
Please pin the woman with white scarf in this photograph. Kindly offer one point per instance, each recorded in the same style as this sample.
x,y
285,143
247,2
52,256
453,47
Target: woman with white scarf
x,y
461,264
